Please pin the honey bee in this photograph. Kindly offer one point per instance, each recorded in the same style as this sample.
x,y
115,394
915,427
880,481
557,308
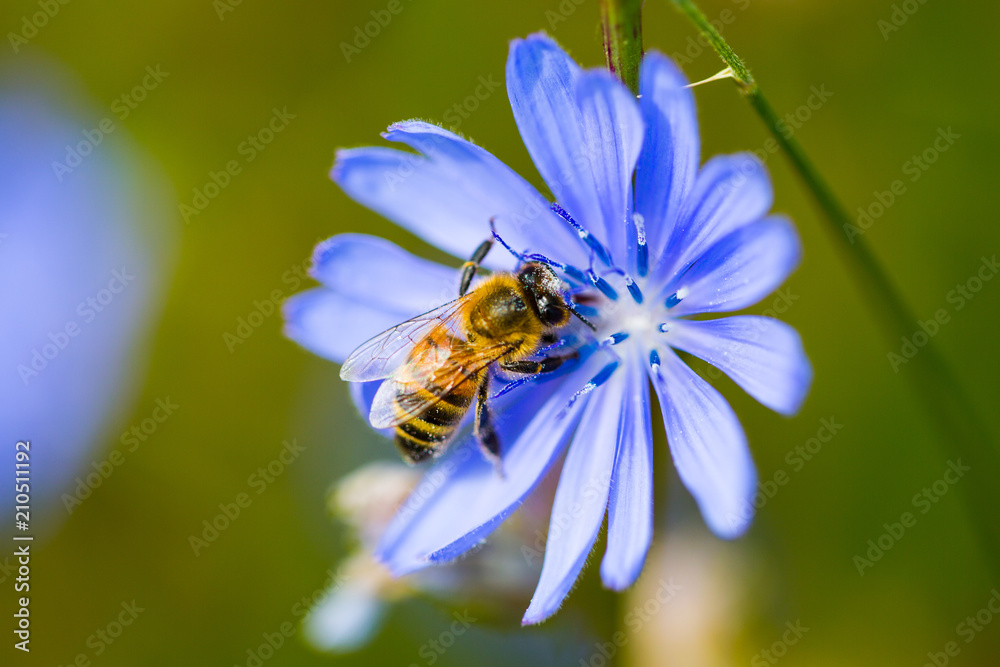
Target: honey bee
x,y
436,364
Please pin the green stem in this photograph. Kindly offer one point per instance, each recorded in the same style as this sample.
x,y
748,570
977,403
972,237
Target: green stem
x,y
963,433
621,22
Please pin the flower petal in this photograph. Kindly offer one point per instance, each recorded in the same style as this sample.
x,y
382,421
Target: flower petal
x,y
630,507
668,163
87,247
541,85
461,500
375,272
708,446
363,395
583,131
739,270
612,132
332,325
730,191
448,194
345,619
373,285
581,500
762,355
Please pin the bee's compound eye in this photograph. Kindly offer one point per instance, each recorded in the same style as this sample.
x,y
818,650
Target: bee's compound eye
x,y
552,314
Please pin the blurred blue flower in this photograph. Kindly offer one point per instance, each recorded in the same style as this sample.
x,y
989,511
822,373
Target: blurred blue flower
x,y
349,613
80,282
647,241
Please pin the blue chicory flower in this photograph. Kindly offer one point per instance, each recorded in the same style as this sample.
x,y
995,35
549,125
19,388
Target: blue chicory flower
x,y
648,241
82,261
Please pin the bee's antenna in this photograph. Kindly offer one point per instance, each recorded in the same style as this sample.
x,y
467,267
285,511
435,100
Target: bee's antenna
x,y
493,231
571,271
579,315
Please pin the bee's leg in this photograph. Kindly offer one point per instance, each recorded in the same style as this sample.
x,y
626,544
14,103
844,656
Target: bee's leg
x,y
549,338
489,442
528,370
546,365
469,268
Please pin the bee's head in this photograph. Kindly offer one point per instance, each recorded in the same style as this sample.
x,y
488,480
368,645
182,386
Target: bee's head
x,y
546,289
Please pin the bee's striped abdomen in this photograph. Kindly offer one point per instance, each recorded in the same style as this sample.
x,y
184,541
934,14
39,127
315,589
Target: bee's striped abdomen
x,y
421,437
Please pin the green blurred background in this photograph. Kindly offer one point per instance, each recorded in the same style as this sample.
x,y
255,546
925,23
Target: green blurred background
x,y
225,75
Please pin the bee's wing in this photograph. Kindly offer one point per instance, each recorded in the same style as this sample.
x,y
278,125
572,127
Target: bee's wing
x,y
381,356
418,387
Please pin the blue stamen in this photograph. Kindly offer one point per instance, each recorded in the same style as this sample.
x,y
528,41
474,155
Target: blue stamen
x,y
575,273
673,300
602,284
511,386
664,328
586,236
595,382
603,375
586,311
642,250
633,289
654,358
616,338
568,341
